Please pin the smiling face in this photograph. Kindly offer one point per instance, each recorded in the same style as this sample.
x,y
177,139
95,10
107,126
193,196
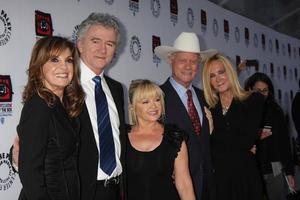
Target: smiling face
x,y
57,72
97,47
148,109
218,77
185,66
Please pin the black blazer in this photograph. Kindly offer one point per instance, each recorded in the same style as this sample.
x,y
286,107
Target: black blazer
x,y
88,151
48,152
296,112
198,146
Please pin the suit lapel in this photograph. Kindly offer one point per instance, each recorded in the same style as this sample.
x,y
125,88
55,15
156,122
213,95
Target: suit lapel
x,y
176,108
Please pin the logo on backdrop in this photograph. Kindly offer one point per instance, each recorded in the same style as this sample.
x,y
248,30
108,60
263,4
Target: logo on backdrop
x,y
7,175
237,35
283,49
190,17
284,72
155,42
5,28
109,2
215,27
295,52
226,29
289,49
290,74
277,46
299,52
272,70
270,45
74,34
155,8
247,36
263,41
278,73
265,69
135,48
203,20
134,6
255,40
174,12
296,73
279,95
6,93
43,24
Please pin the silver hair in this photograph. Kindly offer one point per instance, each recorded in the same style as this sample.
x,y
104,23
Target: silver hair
x,y
103,19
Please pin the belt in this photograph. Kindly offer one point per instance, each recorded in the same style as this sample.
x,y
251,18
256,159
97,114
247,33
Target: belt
x,y
109,182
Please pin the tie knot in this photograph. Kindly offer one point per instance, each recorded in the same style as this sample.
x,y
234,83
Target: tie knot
x,y
97,80
189,93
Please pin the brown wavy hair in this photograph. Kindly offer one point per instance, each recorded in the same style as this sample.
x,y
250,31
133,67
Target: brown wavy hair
x,y
43,50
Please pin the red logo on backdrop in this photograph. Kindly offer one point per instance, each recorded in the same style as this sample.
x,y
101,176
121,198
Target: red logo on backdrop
x,y
5,89
203,17
43,24
226,26
263,41
272,69
155,42
174,11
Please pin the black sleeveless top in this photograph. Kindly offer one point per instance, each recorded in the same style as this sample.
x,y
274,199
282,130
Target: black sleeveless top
x,y
149,174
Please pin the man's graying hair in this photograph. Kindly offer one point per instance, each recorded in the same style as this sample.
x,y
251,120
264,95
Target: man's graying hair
x,y
103,19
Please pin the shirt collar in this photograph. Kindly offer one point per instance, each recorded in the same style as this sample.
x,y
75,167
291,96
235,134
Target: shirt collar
x,y
181,90
86,74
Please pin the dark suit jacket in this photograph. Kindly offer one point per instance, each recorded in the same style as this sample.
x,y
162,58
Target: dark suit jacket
x,y
198,146
296,112
48,152
88,151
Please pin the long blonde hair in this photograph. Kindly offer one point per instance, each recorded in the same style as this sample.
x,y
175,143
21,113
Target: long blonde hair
x,y
211,96
140,89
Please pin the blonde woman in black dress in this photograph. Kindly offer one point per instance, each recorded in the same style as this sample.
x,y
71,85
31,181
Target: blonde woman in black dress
x,y
236,116
156,155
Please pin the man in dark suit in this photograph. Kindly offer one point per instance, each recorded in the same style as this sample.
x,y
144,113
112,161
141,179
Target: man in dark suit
x,y
296,111
98,39
187,110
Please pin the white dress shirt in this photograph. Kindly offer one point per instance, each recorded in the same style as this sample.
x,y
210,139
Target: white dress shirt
x,y
88,86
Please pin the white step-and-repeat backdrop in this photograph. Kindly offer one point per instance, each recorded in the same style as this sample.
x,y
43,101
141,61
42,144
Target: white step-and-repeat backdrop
x,y
146,24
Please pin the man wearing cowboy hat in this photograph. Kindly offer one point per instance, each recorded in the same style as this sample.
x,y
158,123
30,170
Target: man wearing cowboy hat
x,y
185,105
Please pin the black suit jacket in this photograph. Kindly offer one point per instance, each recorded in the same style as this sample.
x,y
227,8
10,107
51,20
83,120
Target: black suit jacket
x,y
296,112
48,152
88,151
198,146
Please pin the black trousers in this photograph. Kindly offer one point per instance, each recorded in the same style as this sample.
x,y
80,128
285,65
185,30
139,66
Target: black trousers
x,y
111,192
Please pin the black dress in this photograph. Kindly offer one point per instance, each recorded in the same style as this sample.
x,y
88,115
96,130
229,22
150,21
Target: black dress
x,y
149,174
236,170
48,152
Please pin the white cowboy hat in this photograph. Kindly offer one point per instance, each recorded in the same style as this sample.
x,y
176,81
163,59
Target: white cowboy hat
x,y
185,42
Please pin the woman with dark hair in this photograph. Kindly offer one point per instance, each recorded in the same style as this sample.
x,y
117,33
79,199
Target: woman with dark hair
x,y
48,128
274,153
